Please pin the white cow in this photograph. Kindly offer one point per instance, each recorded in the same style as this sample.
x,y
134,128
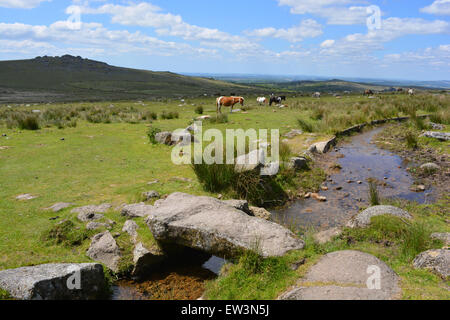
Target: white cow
x,y
316,95
261,100
411,92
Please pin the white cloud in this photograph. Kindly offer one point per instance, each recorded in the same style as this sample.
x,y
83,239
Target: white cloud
x,y
438,7
21,4
434,57
327,43
306,29
94,36
337,12
166,24
359,44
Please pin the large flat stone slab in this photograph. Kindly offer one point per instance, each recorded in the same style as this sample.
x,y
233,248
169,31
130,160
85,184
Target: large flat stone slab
x,y
347,275
50,282
212,226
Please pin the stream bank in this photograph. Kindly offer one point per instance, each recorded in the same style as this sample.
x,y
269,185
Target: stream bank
x,y
351,165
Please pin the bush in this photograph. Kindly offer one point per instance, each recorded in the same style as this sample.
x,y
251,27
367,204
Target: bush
x,y
214,177
65,233
220,118
373,194
169,115
411,140
199,110
152,134
28,123
285,152
305,126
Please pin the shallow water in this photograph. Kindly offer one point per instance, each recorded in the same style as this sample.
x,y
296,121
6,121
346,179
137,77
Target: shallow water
x,y
360,160
183,281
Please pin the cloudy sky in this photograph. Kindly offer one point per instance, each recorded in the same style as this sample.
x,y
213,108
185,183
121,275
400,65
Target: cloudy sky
x,y
395,39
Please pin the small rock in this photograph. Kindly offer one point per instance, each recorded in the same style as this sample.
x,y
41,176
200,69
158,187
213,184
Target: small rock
x,y
359,182
105,250
131,227
153,182
294,266
151,195
293,133
430,167
260,213
25,197
443,136
136,210
97,225
59,206
438,261
308,195
444,237
419,188
436,126
298,163
363,219
324,188
318,197
327,235
240,205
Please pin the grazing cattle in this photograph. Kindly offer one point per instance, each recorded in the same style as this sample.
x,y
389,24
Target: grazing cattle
x,y
275,100
368,92
261,100
400,90
228,102
316,95
411,92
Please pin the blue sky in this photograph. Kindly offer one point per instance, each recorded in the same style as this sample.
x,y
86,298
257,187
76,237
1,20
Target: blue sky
x,y
404,39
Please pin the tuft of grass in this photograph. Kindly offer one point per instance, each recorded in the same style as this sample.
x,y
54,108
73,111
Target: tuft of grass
x,y
28,123
170,115
305,125
411,140
199,110
285,152
214,177
220,118
374,198
5,295
152,134
65,233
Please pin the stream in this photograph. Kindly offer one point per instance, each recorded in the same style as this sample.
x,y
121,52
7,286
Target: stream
x,y
348,187
359,159
172,281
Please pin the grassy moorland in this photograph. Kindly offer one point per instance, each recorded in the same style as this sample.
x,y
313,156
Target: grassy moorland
x,y
91,153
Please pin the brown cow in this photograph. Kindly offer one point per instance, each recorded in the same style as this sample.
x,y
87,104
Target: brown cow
x,y
228,102
368,92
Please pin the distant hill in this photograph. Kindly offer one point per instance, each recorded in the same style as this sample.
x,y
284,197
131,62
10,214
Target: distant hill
x,y
70,78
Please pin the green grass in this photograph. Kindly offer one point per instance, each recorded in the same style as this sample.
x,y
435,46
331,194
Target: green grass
x,y
113,161
392,240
